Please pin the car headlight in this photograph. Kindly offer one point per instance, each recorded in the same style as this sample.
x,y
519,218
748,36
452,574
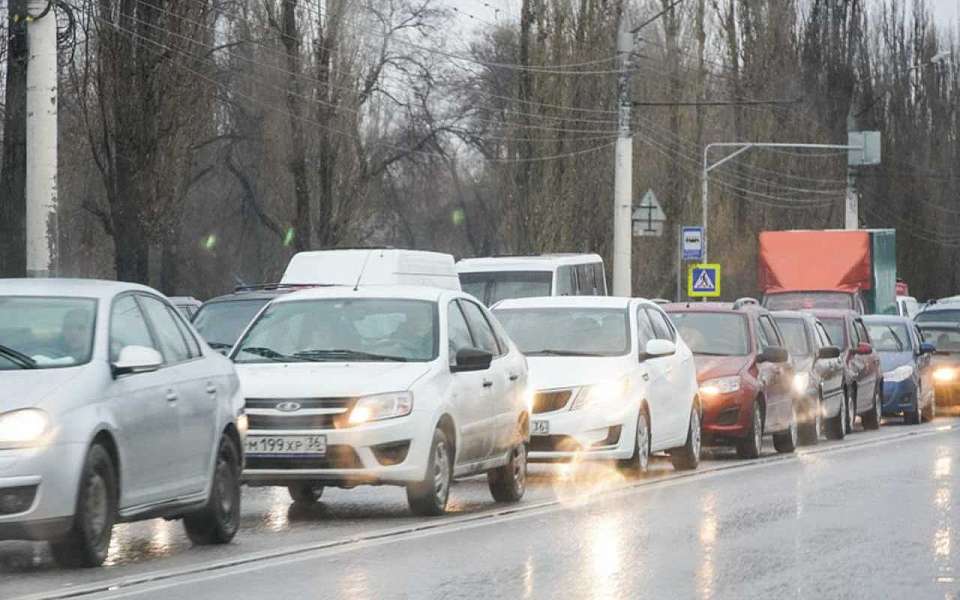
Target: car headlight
x,y
945,375
599,393
381,406
23,427
899,374
801,382
721,385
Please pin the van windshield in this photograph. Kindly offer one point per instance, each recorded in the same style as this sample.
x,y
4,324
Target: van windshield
x,y
493,286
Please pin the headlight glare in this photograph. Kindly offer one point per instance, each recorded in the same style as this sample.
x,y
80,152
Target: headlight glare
x,y
381,406
721,385
944,375
899,374
599,393
801,382
26,426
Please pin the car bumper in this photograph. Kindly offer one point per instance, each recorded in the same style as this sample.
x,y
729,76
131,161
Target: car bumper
x,y
899,397
726,417
583,435
42,481
393,452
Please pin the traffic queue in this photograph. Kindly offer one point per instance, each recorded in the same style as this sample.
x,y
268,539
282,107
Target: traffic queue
x,y
404,368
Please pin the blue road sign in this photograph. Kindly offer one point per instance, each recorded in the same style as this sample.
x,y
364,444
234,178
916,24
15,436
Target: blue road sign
x,y
703,281
692,240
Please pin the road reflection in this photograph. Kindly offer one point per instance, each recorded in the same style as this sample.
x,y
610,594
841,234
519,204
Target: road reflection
x,y
604,555
706,575
943,494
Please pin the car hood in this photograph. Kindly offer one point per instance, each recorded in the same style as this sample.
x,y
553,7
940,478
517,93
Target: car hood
x,y
711,367
26,388
891,360
318,380
554,372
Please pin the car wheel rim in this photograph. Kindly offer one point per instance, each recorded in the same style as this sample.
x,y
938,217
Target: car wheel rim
x,y
757,428
695,432
441,475
97,507
520,467
224,488
643,442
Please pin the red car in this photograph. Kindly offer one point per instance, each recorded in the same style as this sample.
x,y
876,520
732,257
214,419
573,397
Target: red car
x,y
862,375
744,375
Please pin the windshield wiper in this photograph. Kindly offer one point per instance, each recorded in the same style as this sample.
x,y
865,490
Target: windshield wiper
x,y
699,353
549,352
272,354
18,357
219,345
334,354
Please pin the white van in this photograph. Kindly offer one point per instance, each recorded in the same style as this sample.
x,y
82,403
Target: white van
x,y
373,267
499,278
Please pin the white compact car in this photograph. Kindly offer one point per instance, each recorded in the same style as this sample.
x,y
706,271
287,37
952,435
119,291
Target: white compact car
x,y
408,386
113,410
611,379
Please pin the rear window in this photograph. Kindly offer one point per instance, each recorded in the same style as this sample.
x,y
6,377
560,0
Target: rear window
x,y
713,334
794,336
837,332
568,331
493,286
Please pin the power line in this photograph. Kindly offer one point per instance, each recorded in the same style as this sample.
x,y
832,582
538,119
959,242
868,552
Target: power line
x,y
719,103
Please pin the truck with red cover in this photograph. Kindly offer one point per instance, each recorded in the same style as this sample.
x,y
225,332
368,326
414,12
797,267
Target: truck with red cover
x,y
852,269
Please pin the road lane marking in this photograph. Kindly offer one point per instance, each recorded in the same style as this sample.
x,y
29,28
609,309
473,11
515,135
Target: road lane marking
x,y
133,585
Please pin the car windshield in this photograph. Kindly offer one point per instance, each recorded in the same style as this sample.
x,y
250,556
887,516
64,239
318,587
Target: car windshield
x,y
494,286
46,332
889,337
938,316
808,300
342,330
568,331
943,339
794,335
221,323
713,334
836,331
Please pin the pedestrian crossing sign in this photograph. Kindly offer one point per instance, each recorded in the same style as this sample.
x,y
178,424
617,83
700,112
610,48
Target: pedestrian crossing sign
x,y
703,281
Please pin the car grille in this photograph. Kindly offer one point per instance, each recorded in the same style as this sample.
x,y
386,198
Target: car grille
x,y
337,457
272,422
305,403
264,414
544,402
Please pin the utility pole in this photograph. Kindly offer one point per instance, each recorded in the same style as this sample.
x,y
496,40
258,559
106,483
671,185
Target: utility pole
x,y
851,215
41,140
623,171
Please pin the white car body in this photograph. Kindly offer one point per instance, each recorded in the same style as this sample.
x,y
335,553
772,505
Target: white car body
x,y
551,274
485,410
351,267
163,422
664,386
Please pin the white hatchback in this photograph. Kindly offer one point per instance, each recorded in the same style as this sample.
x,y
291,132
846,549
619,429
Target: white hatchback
x,y
610,379
408,386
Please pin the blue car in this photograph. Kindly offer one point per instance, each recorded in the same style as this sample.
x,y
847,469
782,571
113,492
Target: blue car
x,y
908,387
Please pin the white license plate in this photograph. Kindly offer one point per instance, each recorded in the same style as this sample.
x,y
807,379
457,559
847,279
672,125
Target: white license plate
x,y
287,445
540,428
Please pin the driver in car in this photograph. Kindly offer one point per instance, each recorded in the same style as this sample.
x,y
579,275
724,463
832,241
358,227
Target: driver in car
x,y
74,339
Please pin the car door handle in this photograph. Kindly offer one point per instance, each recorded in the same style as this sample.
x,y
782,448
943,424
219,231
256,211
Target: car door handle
x,y
487,384
171,396
514,377
211,389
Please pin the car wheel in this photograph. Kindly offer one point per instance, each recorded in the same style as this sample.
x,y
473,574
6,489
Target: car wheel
x,y
509,482
837,426
305,493
428,498
930,411
687,457
851,412
810,431
641,451
88,541
752,444
785,442
871,419
219,521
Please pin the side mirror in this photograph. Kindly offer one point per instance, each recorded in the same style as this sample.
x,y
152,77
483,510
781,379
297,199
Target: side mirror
x,y
773,354
927,348
828,352
656,348
136,359
864,348
472,359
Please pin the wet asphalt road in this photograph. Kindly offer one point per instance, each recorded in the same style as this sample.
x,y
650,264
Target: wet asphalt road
x,y
870,517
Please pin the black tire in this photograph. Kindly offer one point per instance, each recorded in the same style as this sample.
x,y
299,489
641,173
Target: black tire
x,y
640,460
852,411
809,432
785,442
428,498
219,521
930,411
509,482
687,457
871,418
752,444
913,418
305,493
88,541
837,426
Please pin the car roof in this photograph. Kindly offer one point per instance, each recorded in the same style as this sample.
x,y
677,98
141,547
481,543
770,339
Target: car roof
x,y
888,319
941,305
565,302
833,313
249,295
544,262
713,307
405,292
937,324
81,288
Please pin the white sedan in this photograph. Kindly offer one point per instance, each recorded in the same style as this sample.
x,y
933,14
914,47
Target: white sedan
x,y
610,379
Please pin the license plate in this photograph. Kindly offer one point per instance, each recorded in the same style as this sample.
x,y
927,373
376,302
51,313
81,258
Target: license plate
x,y
540,428
312,445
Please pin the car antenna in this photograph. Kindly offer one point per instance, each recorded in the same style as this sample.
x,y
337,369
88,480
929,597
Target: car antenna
x,y
362,269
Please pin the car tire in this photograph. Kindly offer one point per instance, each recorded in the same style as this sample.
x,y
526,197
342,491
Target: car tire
x,y
836,428
871,419
851,412
87,542
785,442
687,457
930,411
219,520
428,498
509,482
640,460
305,493
752,444
809,432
